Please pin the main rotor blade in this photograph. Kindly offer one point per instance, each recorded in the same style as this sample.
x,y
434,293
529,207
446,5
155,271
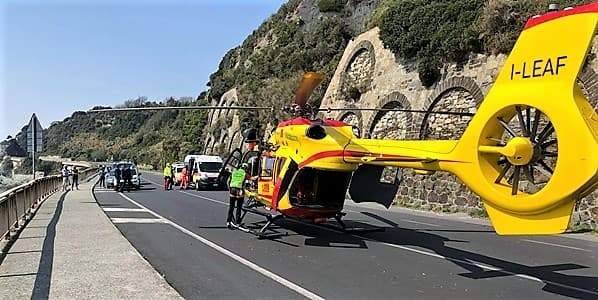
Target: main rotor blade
x,y
307,85
400,110
156,108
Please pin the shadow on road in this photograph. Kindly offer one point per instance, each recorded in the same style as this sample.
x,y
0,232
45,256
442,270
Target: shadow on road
x,y
583,287
478,266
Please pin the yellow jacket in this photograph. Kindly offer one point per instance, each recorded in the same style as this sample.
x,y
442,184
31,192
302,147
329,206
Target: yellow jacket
x,y
167,171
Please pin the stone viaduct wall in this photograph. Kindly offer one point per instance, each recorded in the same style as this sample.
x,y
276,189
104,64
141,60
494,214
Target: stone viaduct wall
x,y
225,129
369,75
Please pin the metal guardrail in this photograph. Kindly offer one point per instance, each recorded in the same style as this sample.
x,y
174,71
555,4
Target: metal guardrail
x,y
18,204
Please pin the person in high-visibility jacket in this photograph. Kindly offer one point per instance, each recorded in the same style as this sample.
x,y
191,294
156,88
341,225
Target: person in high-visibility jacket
x,y
237,179
184,178
167,176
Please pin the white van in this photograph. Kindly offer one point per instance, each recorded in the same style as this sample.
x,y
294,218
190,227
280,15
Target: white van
x,y
204,170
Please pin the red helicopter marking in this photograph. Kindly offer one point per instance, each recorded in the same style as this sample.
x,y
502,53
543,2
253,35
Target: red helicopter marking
x,y
588,8
305,121
341,153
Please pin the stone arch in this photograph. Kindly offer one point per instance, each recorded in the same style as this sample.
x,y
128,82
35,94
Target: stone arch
x,y
456,94
235,140
357,76
351,116
230,103
218,112
209,143
391,124
223,144
211,148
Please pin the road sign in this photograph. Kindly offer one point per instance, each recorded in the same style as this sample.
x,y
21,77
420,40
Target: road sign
x,y
34,139
34,136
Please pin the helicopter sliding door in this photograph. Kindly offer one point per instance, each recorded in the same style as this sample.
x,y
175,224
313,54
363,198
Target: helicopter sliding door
x,y
232,162
319,189
376,184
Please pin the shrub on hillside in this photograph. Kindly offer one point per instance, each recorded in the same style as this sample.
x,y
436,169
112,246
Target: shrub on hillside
x,y
440,31
6,167
433,32
331,5
501,21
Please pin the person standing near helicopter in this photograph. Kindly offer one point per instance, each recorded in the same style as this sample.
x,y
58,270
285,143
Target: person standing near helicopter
x,y
237,179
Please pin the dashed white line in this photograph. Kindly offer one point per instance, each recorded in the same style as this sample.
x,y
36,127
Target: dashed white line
x,y
420,223
298,289
136,220
556,245
205,198
112,209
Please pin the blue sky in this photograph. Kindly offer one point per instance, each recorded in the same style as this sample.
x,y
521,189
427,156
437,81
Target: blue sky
x,y
57,57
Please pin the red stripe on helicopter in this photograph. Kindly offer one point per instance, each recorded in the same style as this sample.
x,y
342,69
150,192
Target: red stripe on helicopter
x,y
588,8
304,121
275,195
343,153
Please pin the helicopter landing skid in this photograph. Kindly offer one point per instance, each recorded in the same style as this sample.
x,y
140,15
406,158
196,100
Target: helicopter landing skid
x,y
342,226
264,231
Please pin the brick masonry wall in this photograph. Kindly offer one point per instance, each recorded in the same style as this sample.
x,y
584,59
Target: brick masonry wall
x,y
384,82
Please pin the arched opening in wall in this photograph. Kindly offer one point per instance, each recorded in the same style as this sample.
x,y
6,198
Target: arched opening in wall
x,y
213,149
209,144
351,118
391,125
444,126
223,145
230,112
235,141
357,76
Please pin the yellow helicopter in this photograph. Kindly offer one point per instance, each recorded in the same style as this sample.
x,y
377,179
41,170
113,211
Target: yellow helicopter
x,y
529,152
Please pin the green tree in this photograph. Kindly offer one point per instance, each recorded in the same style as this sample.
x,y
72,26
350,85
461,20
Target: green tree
x,y
6,167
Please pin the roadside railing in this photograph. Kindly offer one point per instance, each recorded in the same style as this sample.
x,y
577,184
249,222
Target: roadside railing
x,y
18,204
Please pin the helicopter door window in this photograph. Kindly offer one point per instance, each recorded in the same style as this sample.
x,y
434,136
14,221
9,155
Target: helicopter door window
x,y
391,175
278,167
267,166
254,166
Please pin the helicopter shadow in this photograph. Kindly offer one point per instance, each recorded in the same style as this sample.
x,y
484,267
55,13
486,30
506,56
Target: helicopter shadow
x,y
314,236
479,266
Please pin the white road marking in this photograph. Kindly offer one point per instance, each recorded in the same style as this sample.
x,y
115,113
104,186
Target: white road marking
x,y
431,254
136,220
300,290
153,182
556,245
205,198
404,220
420,223
123,209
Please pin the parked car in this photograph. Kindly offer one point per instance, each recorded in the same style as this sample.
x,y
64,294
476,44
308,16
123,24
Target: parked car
x,y
177,169
111,176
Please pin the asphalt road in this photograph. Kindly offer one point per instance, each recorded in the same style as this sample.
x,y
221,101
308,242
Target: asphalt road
x,y
182,234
